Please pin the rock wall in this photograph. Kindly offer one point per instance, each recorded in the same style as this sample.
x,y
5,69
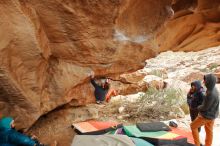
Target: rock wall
x,y
195,26
47,49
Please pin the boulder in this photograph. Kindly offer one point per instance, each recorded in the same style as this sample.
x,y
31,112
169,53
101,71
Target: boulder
x,y
155,82
134,77
192,28
177,84
129,88
197,75
47,49
187,75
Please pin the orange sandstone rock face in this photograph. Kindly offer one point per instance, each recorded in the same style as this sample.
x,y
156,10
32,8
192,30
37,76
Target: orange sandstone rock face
x,y
47,49
195,26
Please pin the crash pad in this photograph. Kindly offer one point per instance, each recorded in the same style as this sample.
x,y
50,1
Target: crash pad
x,y
141,142
102,140
156,138
95,127
153,127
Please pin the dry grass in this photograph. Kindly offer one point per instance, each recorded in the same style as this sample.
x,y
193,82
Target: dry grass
x,y
156,104
153,105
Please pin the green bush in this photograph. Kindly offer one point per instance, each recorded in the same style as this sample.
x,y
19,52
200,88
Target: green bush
x,y
157,73
168,96
205,70
210,68
213,66
155,104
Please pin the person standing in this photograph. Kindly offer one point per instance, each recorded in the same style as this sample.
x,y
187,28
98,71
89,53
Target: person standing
x,y
195,99
208,111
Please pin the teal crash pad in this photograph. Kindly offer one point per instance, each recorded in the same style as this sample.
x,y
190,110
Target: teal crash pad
x,y
141,142
134,131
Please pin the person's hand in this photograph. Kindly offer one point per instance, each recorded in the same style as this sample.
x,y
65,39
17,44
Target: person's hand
x,y
92,74
189,94
33,137
191,90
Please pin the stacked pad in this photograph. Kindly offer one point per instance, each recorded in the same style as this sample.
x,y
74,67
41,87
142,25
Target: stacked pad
x,y
102,140
147,131
185,133
95,127
156,138
153,127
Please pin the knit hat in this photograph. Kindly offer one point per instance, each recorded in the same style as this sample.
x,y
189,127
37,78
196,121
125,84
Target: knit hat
x,y
5,123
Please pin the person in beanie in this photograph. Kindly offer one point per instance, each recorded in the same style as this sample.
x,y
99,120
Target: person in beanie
x,y
208,111
10,137
194,99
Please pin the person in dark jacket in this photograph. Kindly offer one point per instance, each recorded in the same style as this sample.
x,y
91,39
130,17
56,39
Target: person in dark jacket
x,y
194,99
10,137
208,111
102,92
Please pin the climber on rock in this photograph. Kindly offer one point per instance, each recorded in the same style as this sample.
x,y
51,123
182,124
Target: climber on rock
x,y
102,92
10,137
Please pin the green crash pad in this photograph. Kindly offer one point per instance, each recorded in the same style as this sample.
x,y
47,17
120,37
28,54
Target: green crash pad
x,y
133,131
156,138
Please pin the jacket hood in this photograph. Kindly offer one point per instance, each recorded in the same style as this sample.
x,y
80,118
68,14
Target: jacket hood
x,y
197,84
210,81
5,123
